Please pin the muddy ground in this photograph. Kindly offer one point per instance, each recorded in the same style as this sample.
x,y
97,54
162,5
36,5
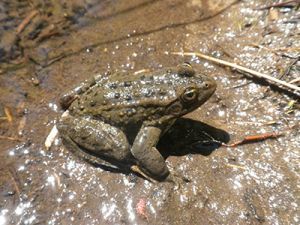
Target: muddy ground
x,y
47,47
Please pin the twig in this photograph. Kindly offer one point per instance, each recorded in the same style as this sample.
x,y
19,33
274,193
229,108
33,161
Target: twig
x,y
57,178
235,166
141,71
48,32
16,184
10,138
247,139
279,4
233,65
279,51
26,21
21,125
287,70
241,85
295,80
8,114
51,137
253,138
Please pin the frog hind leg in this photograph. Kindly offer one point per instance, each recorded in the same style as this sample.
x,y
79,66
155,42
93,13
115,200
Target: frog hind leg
x,y
96,142
86,156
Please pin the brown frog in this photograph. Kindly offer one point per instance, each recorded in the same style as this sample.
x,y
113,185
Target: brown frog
x,y
119,118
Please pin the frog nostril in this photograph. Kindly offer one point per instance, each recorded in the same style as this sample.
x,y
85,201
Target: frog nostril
x,y
206,85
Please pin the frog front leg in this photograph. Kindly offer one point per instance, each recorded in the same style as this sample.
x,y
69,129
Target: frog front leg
x,y
66,100
148,157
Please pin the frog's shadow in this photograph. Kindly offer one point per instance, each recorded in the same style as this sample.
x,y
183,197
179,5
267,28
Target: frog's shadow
x,y
188,136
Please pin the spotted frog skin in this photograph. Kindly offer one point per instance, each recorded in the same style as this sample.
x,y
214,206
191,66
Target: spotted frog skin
x,y
119,118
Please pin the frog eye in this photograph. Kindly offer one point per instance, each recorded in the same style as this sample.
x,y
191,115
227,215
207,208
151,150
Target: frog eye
x,y
189,94
187,64
186,70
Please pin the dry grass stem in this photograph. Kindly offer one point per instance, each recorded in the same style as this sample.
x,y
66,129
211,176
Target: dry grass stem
x,y
296,80
10,138
26,21
244,69
236,166
8,114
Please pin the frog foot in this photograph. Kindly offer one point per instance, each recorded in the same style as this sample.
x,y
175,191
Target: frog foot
x,y
137,170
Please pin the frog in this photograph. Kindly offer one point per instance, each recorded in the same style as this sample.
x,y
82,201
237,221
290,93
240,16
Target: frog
x,y
117,119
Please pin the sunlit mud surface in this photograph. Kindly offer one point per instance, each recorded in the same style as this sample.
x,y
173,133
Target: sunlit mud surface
x,y
63,44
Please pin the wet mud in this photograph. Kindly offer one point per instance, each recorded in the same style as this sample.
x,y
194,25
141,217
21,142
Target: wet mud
x,y
48,47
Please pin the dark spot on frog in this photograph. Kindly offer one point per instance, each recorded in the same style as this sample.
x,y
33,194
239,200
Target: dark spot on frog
x,y
89,91
127,83
107,73
113,85
149,93
128,97
117,95
153,111
140,110
121,113
136,94
92,103
130,111
149,80
162,92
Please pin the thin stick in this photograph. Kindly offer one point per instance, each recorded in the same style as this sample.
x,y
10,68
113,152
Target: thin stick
x,y
51,137
280,4
8,114
233,65
26,21
235,166
253,138
295,80
287,70
16,184
10,138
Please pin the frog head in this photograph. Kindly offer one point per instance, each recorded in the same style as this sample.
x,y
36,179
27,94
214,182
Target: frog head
x,y
192,90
